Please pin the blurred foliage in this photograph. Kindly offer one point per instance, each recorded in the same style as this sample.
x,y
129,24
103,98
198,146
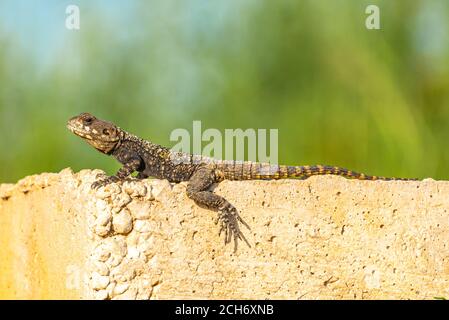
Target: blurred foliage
x,y
375,101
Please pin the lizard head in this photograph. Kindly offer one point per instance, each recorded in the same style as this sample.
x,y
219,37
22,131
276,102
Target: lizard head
x,y
102,135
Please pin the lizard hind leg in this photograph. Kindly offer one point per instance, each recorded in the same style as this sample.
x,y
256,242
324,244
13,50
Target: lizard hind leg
x,y
228,217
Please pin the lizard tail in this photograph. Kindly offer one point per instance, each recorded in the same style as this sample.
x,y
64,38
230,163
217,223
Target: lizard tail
x,y
235,170
308,171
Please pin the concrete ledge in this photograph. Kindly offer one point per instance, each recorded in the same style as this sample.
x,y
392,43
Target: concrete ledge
x,y
321,238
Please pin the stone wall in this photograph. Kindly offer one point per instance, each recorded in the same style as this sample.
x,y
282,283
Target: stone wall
x,y
321,238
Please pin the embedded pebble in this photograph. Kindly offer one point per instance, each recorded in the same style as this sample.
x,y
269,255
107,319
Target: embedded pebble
x,y
179,188
128,187
140,190
149,196
132,239
90,219
101,253
101,295
103,217
120,288
158,187
140,211
108,191
122,222
102,205
130,294
142,226
145,288
146,247
114,260
118,249
134,189
110,288
102,194
102,231
120,201
145,294
124,274
119,246
99,282
100,267
6,190
133,253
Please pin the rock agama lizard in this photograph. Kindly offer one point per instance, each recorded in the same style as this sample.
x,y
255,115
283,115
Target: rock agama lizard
x,y
153,160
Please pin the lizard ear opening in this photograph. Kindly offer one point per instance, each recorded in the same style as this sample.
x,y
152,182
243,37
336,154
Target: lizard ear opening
x,y
106,132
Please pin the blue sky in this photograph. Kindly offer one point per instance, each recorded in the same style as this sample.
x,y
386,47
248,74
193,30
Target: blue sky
x,y
39,25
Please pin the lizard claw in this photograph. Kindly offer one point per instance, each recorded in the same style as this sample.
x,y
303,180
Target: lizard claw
x,y
103,182
229,223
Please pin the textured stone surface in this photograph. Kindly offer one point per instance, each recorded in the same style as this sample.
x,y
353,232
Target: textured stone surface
x,y
320,238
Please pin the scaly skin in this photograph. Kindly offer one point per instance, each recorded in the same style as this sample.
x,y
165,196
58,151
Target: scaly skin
x,y
152,160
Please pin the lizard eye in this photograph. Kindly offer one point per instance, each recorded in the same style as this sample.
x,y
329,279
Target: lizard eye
x,y
88,120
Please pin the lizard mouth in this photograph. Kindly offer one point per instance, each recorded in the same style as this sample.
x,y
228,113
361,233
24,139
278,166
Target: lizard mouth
x,y
79,132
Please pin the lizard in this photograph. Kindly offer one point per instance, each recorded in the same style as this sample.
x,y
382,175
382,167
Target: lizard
x,y
201,173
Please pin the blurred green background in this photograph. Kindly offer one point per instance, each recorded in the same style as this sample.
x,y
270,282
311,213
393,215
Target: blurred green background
x,y
375,101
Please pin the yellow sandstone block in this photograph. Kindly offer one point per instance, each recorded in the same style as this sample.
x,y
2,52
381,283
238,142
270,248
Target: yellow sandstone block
x,y
321,238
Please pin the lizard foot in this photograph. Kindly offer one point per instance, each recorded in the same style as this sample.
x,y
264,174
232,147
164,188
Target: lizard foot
x,y
103,182
141,176
229,223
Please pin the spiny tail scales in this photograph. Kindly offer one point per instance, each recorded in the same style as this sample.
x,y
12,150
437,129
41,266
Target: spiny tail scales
x,y
307,171
263,171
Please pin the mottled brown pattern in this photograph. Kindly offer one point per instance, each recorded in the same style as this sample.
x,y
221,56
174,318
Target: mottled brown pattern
x,y
152,160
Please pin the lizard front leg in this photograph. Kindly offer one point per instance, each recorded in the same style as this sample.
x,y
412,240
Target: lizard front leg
x,y
132,164
228,216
